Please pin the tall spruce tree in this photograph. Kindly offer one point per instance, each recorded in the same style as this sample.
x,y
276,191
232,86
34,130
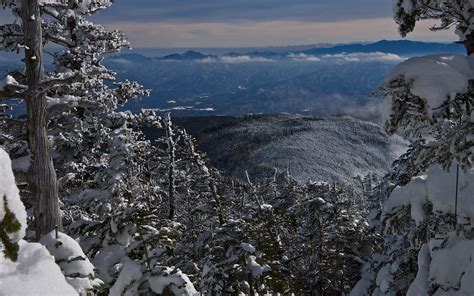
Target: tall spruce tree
x,y
73,91
429,100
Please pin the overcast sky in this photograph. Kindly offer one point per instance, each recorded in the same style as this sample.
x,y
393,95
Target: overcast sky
x,y
249,23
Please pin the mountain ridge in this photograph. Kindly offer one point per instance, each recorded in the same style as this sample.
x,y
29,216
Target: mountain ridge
x,y
398,47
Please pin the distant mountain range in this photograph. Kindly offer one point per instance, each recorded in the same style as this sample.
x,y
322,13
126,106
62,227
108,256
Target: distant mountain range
x,y
398,47
320,80
405,48
324,80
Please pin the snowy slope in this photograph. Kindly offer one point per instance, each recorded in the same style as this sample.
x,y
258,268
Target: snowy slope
x,y
311,148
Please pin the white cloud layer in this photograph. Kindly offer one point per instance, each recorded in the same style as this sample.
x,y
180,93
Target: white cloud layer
x,y
348,57
236,59
365,57
243,59
301,57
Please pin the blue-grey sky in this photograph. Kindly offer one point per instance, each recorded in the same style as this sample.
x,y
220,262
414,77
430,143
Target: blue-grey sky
x,y
190,11
244,23
250,23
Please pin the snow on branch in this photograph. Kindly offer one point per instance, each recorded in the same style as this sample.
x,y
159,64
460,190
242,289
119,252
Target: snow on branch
x,y
11,89
60,80
450,13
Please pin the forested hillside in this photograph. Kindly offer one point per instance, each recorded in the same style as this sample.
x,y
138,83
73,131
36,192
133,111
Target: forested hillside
x,y
334,149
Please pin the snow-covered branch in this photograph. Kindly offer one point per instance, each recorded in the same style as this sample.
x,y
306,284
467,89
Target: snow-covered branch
x,y
50,83
11,89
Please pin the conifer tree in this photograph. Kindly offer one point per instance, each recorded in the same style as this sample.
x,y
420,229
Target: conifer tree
x,y
66,98
428,100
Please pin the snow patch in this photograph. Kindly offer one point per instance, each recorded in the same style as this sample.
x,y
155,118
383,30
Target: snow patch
x,y
253,267
108,257
446,266
247,247
9,80
175,280
420,285
34,273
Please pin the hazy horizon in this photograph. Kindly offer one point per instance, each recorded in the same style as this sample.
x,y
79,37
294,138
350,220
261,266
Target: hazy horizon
x,y
246,49
162,51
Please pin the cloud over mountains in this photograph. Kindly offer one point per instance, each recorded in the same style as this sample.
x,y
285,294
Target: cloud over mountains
x,y
348,57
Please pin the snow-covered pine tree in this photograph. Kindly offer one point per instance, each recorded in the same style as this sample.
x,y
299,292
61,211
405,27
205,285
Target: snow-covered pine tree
x,y
330,239
427,217
67,98
295,238
118,204
243,254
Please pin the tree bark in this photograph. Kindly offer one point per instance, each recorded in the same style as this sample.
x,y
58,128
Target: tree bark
x,y
43,180
171,169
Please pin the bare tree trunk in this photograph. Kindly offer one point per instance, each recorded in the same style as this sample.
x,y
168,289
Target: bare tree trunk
x,y
209,175
43,180
171,168
217,199
251,285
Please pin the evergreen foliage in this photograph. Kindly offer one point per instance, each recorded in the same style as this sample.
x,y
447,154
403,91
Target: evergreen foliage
x,y
9,225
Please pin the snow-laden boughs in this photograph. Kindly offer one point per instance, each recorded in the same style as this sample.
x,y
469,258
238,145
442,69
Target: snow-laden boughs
x,y
75,92
224,235
427,213
74,264
117,201
231,263
450,13
328,225
282,237
433,111
424,224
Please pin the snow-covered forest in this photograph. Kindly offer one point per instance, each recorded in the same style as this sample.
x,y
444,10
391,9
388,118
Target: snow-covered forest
x,y
91,206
